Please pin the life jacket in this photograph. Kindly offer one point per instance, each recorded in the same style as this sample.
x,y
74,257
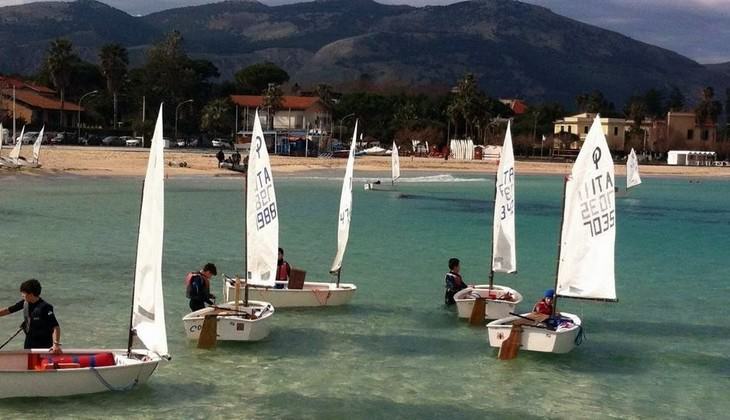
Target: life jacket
x,y
282,272
543,308
189,280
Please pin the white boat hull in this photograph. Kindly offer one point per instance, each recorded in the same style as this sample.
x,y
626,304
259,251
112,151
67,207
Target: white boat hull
x,y
233,326
535,338
313,294
496,308
17,380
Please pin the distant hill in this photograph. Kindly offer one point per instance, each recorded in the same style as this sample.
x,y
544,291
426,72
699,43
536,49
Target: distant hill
x,y
722,68
516,49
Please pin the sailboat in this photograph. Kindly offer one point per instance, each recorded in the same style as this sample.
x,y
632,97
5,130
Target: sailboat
x,y
585,266
37,373
249,320
314,294
394,171
500,300
4,162
37,147
14,155
632,170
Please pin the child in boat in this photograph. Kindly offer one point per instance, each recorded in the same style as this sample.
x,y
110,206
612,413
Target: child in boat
x,y
40,325
283,270
545,305
198,287
454,282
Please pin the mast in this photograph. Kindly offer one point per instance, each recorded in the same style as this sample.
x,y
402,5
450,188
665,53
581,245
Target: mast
x,y
560,242
245,237
491,258
130,337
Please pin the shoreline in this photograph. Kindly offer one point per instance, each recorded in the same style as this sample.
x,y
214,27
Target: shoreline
x,y
123,162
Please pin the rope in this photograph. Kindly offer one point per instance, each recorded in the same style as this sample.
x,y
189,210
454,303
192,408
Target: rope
x,y
111,387
581,337
11,338
316,295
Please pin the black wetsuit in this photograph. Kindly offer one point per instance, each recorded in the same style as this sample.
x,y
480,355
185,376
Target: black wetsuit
x,y
454,284
38,324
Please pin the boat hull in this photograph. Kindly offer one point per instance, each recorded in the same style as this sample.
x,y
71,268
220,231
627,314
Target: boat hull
x,y
536,338
17,380
313,294
231,326
496,308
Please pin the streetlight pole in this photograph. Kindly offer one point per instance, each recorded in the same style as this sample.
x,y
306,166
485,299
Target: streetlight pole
x,y
342,121
177,108
78,121
534,132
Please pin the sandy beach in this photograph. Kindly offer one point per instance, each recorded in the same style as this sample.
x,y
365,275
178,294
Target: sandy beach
x,y
103,161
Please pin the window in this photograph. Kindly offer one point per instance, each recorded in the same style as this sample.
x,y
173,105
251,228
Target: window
x,y
615,131
570,129
562,129
585,129
705,134
690,134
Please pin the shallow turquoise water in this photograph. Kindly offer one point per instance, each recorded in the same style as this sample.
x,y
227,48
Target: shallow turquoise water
x,y
395,352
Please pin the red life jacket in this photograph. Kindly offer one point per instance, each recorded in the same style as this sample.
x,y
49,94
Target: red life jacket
x,y
189,279
543,307
282,272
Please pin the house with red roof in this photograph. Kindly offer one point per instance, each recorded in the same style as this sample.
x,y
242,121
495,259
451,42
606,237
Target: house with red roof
x,y
35,105
297,113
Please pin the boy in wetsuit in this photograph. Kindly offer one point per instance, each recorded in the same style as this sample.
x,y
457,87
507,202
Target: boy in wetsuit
x,y
40,325
454,282
198,289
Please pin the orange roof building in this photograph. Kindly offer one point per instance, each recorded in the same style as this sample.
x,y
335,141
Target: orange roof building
x,y
296,113
35,105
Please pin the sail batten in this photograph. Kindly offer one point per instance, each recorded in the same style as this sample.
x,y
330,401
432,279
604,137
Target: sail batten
x,y
262,213
504,253
148,310
588,235
345,214
395,163
632,170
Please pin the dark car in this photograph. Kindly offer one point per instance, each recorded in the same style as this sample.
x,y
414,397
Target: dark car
x,y
112,141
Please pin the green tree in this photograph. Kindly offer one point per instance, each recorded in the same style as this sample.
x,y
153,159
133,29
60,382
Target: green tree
x,y
59,61
594,103
114,61
324,92
709,109
273,100
636,111
654,103
675,101
256,78
216,117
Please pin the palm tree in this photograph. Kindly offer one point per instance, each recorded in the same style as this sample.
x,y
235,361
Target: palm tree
x,y
59,61
216,116
273,100
114,61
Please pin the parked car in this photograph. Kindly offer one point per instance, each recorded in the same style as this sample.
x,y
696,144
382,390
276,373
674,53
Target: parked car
x,y
58,138
28,137
112,141
133,141
221,143
6,136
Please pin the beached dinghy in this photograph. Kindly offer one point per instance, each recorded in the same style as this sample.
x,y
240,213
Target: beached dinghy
x,y
585,253
299,294
248,320
394,172
499,300
37,373
4,162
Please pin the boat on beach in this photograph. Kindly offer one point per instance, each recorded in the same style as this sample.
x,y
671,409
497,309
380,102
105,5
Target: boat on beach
x,y
500,301
297,293
394,173
585,266
39,373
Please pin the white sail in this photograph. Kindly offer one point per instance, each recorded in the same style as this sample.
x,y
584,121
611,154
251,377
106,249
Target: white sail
x,y
589,223
504,253
395,164
15,153
262,213
37,145
345,215
148,312
1,137
632,170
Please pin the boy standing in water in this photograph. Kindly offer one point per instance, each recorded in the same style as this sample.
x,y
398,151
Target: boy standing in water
x,y
198,287
454,282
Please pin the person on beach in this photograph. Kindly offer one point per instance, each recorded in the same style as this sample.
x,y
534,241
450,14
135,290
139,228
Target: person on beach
x,y
545,305
454,282
198,287
283,270
220,156
236,158
40,325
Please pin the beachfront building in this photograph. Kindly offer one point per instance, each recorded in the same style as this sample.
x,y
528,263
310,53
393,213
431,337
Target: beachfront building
x,y
297,113
678,131
613,128
35,105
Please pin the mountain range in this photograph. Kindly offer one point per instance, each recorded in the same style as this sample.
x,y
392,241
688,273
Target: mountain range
x,y
515,49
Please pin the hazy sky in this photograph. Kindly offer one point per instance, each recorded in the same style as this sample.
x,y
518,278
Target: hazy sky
x,y
699,29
